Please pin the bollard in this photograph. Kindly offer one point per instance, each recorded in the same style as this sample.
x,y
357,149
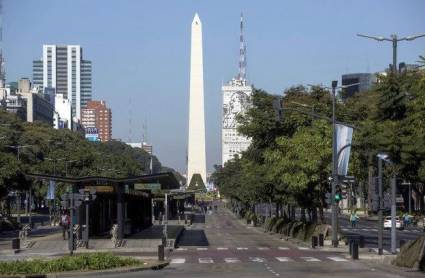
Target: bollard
x,y
185,219
313,241
16,244
321,240
161,253
402,242
361,242
355,250
350,246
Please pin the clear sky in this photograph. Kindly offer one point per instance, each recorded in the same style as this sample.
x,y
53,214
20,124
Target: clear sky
x,y
140,52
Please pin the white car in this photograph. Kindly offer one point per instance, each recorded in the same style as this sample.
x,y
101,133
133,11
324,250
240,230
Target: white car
x,y
387,223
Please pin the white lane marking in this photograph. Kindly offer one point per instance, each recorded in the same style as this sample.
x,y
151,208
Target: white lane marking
x,y
283,259
344,229
374,230
242,248
283,248
263,248
257,259
178,261
201,248
222,248
310,259
181,249
205,260
337,259
302,248
232,260
398,250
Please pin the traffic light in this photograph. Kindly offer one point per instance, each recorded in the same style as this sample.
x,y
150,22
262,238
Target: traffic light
x,y
338,197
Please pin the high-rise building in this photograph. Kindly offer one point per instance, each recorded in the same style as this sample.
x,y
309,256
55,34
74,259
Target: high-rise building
x,y
64,69
236,100
196,162
98,115
363,81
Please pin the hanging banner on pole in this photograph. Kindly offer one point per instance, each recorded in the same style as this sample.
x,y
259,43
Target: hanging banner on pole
x,y
344,135
51,190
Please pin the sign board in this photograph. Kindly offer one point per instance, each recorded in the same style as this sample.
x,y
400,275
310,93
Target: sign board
x,y
151,186
51,190
92,134
344,136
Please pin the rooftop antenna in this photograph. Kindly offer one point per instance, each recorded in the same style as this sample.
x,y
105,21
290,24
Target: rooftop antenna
x,y
242,53
129,121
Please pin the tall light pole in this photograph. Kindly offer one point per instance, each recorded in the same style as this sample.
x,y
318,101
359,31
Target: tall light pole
x,y
394,39
52,202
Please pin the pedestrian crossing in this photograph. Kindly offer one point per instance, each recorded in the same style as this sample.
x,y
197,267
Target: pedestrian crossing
x,y
361,229
234,260
260,248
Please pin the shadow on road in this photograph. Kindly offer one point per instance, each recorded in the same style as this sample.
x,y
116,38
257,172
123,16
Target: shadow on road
x,y
193,238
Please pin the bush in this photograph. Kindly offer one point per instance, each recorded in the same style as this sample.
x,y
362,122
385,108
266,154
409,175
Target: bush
x,y
270,223
277,227
92,261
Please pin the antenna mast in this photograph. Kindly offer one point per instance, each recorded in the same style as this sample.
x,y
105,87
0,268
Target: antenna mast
x,y
2,69
242,54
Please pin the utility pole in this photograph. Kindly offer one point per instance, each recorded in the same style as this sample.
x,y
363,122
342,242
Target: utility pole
x,y
394,39
393,215
380,208
334,170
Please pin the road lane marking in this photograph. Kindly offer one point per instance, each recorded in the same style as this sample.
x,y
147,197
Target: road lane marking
x,y
242,248
205,260
181,249
337,259
178,261
202,248
232,260
302,248
263,248
222,248
257,259
283,248
310,259
283,259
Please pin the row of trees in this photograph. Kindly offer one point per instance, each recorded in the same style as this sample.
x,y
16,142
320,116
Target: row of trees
x,y
289,160
37,148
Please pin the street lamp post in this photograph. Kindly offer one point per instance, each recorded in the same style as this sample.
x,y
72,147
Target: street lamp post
x,y
394,39
334,170
52,202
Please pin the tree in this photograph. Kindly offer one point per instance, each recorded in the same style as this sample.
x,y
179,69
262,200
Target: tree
x,y
197,184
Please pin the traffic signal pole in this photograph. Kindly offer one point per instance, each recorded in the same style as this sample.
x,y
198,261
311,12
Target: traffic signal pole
x,y
380,206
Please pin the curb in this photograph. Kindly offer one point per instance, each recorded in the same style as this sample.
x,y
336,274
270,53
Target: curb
x,y
156,266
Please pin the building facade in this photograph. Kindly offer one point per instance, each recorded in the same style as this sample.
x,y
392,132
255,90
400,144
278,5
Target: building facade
x,y
97,115
364,83
236,100
64,69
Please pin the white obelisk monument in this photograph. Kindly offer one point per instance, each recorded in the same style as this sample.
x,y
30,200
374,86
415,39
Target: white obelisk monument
x,y
196,163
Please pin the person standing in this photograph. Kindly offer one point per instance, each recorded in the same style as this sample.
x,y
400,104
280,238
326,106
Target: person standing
x,y
65,221
353,218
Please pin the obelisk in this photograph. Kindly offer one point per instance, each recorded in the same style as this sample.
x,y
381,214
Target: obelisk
x,y
196,163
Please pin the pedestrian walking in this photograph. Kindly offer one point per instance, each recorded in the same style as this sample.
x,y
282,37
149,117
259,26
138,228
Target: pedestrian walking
x,y
353,218
65,222
406,220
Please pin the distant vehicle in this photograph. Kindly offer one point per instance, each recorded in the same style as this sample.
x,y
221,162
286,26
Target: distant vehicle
x,y
387,223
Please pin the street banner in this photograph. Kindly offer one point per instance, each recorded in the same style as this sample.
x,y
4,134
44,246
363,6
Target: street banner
x,y
51,190
344,135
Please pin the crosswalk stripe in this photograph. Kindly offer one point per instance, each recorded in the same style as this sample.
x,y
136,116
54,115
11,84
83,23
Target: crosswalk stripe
x,y
374,230
310,259
257,259
181,249
302,248
205,260
222,248
283,248
242,248
178,261
283,259
337,259
201,248
263,248
232,260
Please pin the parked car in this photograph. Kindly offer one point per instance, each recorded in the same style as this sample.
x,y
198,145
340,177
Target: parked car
x,y
387,223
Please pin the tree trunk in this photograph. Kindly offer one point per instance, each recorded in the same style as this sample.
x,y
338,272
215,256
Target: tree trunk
x,y
303,217
371,188
322,215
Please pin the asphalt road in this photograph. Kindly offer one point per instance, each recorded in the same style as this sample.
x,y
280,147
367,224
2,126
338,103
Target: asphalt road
x,y
369,230
223,247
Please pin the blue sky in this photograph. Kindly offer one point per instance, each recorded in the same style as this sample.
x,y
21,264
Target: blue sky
x,y
140,52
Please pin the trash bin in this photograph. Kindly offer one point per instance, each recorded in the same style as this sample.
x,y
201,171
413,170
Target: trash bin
x,y
321,240
314,241
16,244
